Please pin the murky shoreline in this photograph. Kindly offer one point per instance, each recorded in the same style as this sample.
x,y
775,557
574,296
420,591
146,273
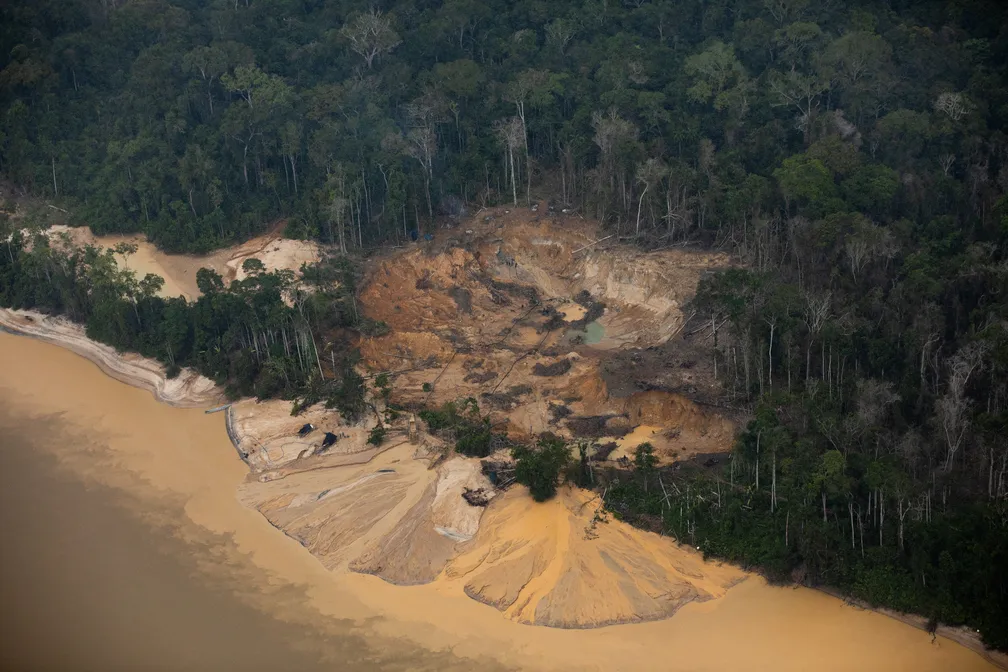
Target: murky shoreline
x,y
177,469
105,577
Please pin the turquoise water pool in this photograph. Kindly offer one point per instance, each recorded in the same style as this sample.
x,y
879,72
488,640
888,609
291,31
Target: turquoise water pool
x,y
592,333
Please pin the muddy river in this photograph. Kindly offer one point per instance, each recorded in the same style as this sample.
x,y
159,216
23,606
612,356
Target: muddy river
x,y
125,547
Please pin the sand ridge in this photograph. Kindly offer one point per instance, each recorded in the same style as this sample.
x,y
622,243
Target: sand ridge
x,y
557,564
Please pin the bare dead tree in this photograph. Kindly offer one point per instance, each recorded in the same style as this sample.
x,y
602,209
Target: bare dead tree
x,y
425,113
953,406
511,134
801,92
560,32
649,173
370,34
946,161
952,104
815,314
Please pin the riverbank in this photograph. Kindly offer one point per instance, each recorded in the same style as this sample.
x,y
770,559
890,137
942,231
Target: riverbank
x,y
426,523
187,390
529,571
184,454
961,635
121,583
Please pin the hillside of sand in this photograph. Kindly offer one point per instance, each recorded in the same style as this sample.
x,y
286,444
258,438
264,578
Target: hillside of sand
x,y
402,517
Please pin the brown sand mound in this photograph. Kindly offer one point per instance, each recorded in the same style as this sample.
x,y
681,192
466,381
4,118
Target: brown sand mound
x,y
328,522
337,511
425,539
413,552
391,516
550,564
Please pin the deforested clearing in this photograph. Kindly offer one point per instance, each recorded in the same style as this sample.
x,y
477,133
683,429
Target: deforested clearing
x,y
526,277
492,314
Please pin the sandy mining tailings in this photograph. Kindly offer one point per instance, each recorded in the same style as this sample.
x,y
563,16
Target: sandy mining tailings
x,y
462,319
267,433
555,564
396,512
179,270
391,516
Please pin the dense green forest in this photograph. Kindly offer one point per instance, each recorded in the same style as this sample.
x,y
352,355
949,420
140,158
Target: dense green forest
x,y
852,155
197,121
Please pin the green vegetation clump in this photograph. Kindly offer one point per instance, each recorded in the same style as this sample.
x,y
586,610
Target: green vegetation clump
x,y
372,328
539,468
474,439
439,419
377,435
473,435
645,461
383,385
343,392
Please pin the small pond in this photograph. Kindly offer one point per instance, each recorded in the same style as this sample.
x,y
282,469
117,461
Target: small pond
x,y
592,333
